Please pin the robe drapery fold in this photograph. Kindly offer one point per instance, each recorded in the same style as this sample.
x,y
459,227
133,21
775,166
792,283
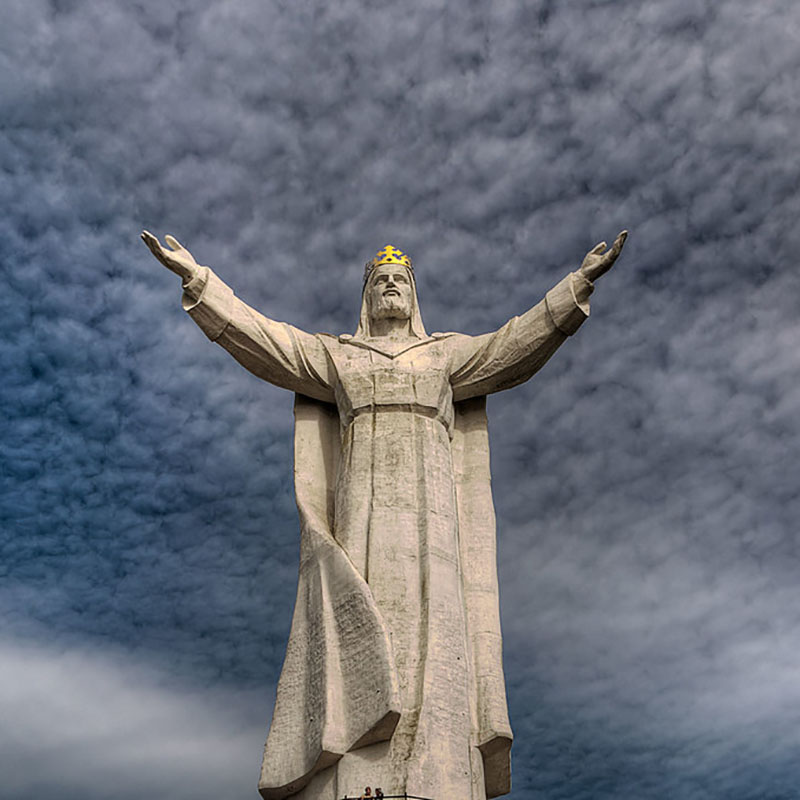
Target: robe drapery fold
x,y
394,662
338,688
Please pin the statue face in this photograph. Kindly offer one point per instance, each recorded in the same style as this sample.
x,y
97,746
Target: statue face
x,y
389,293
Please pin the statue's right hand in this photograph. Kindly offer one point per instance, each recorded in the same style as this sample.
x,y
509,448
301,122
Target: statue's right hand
x,y
178,258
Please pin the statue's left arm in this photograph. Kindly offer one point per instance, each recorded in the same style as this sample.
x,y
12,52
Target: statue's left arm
x,y
509,356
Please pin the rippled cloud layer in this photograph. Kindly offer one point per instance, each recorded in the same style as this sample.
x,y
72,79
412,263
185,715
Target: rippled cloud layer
x,y
645,481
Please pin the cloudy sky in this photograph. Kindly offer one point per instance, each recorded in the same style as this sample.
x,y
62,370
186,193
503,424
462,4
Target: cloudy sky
x,y
646,481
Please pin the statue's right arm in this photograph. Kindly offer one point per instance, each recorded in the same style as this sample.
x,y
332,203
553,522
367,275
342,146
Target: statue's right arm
x,y
274,351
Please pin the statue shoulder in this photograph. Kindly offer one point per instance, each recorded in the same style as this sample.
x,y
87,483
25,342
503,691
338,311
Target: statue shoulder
x,y
335,343
329,341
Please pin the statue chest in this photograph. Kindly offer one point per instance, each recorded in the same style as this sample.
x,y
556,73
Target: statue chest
x,y
416,377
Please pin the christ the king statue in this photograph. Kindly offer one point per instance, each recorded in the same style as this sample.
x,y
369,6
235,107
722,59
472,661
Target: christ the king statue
x,y
393,674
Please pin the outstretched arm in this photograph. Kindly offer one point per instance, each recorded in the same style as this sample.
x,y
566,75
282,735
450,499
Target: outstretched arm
x,y
274,351
512,354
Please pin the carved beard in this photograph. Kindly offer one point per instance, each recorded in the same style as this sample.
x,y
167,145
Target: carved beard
x,y
391,307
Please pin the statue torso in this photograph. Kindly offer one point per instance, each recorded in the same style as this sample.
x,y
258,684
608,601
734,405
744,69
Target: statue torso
x,y
416,376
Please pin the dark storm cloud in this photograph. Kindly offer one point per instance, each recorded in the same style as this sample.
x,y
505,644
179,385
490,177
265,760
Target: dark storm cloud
x,y
644,481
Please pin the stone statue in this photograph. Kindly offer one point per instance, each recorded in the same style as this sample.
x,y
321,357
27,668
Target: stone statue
x,y
393,672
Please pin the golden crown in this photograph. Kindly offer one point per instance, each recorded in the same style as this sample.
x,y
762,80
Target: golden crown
x,y
388,255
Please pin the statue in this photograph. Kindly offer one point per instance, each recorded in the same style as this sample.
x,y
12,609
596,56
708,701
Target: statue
x,y
393,672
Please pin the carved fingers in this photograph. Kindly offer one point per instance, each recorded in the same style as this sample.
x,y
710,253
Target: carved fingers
x,y
616,248
177,259
174,243
152,244
598,249
598,260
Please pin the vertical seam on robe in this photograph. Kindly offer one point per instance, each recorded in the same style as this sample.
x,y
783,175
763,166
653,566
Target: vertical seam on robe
x,y
471,678
374,422
423,630
423,554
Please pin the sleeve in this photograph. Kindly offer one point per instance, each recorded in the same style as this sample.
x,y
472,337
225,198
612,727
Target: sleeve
x,y
509,356
274,351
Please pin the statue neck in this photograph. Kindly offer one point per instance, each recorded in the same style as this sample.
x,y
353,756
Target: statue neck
x,y
390,328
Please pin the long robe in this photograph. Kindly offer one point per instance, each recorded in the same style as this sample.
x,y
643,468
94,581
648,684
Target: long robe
x,y
393,672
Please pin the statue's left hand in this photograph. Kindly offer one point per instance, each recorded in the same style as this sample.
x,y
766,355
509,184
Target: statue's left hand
x,y
597,262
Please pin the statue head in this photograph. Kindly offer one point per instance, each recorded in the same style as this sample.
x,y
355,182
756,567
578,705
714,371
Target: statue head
x,y
390,292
